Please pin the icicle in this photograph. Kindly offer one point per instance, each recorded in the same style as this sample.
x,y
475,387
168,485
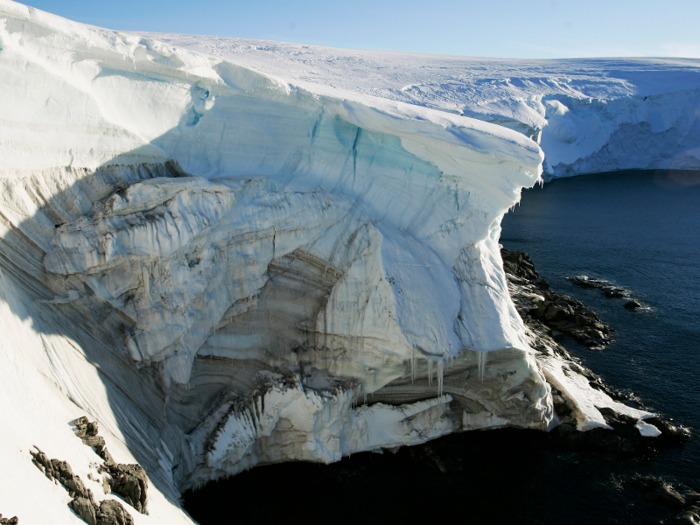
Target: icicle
x,y
413,366
482,364
441,375
430,371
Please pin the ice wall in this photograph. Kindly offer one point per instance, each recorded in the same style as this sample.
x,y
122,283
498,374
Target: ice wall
x,y
245,271
589,115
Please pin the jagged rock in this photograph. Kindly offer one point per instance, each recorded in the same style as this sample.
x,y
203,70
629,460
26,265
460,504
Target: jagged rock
x,y
107,457
632,305
9,521
87,431
614,294
112,512
75,487
83,503
519,264
689,516
666,495
42,462
657,490
62,468
609,290
85,427
84,508
94,441
557,311
645,483
130,482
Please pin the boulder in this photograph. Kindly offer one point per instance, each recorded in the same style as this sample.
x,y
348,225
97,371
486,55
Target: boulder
x,y
689,516
84,508
130,482
666,495
112,512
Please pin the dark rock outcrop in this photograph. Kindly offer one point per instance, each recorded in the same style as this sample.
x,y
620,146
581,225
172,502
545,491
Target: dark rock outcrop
x,y
609,290
623,439
109,512
61,471
556,311
689,516
671,495
84,508
9,521
112,513
129,481
537,304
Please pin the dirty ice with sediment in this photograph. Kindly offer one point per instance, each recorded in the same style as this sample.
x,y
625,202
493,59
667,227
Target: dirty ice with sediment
x,y
233,252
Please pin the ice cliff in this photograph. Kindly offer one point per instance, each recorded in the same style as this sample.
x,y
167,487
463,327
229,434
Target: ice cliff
x,y
226,269
588,115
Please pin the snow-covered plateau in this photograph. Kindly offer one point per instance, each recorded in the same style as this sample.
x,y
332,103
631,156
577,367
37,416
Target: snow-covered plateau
x,y
232,253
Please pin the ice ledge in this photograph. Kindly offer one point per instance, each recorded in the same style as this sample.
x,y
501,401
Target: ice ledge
x,y
290,423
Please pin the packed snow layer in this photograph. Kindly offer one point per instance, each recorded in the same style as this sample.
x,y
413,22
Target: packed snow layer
x,y
589,115
225,270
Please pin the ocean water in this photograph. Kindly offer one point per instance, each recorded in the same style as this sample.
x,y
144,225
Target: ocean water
x,y
639,230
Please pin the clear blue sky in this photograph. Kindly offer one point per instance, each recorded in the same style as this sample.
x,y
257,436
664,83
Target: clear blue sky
x,y
495,28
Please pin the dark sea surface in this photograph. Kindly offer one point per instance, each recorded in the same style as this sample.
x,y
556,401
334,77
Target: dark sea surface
x,y
638,230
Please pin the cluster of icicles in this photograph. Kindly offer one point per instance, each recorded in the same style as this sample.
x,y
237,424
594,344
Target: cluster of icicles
x,y
439,370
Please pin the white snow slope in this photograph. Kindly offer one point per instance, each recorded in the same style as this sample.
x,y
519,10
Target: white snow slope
x,y
589,115
222,267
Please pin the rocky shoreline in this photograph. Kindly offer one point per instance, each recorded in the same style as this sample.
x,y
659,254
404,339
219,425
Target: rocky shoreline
x,y
546,312
609,290
539,305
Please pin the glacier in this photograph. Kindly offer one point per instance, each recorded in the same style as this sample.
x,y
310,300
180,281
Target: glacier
x,y
227,266
588,115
